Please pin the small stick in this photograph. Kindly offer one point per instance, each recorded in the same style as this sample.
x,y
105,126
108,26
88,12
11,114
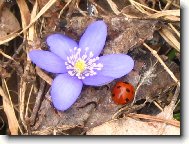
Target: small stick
x,y
16,53
27,105
61,12
37,102
5,55
155,118
170,108
154,53
43,75
158,106
128,110
168,5
174,29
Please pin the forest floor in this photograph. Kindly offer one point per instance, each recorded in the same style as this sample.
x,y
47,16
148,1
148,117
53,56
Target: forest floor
x,y
147,30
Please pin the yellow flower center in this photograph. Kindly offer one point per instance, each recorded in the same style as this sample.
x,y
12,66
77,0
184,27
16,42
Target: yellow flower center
x,y
80,66
83,65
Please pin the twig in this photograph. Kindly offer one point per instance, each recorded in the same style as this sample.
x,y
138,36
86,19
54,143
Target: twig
x,y
154,53
22,91
27,105
174,99
174,29
168,5
170,108
139,6
170,38
64,8
44,76
174,4
15,64
5,55
158,106
155,118
37,102
9,110
100,8
128,110
15,34
113,7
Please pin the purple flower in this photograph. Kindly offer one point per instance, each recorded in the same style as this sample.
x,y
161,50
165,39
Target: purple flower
x,y
78,64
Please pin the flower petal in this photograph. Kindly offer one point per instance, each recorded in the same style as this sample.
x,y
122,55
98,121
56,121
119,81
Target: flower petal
x,y
61,44
116,65
97,80
65,91
48,61
94,37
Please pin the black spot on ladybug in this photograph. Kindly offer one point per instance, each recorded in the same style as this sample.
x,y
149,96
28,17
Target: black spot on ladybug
x,y
113,95
118,86
127,100
126,82
128,90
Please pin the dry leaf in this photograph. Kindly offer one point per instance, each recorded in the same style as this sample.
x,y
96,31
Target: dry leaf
x,y
8,22
129,126
95,105
123,34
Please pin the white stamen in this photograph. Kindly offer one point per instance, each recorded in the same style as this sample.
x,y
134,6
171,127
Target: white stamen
x,y
82,66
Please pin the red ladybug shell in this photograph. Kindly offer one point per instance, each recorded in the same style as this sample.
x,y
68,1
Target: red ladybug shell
x,y
123,93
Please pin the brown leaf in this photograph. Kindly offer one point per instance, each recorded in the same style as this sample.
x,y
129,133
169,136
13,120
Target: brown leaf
x,y
123,33
95,105
154,80
8,22
129,126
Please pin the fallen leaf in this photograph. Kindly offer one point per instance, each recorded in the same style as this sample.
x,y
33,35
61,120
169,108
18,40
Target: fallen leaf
x,y
129,126
95,105
8,22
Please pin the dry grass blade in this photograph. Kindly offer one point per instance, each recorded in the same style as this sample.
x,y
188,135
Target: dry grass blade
x,y
25,17
172,15
141,9
8,38
171,2
25,13
170,38
174,29
141,6
166,13
37,103
114,7
30,38
32,32
61,12
168,110
28,102
5,55
9,111
41,12
44,76
154,118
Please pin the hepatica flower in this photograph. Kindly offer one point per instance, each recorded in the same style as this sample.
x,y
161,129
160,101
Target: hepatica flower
x,y
79,63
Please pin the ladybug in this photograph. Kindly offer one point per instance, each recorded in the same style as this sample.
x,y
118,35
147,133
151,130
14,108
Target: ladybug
x,y
123,93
